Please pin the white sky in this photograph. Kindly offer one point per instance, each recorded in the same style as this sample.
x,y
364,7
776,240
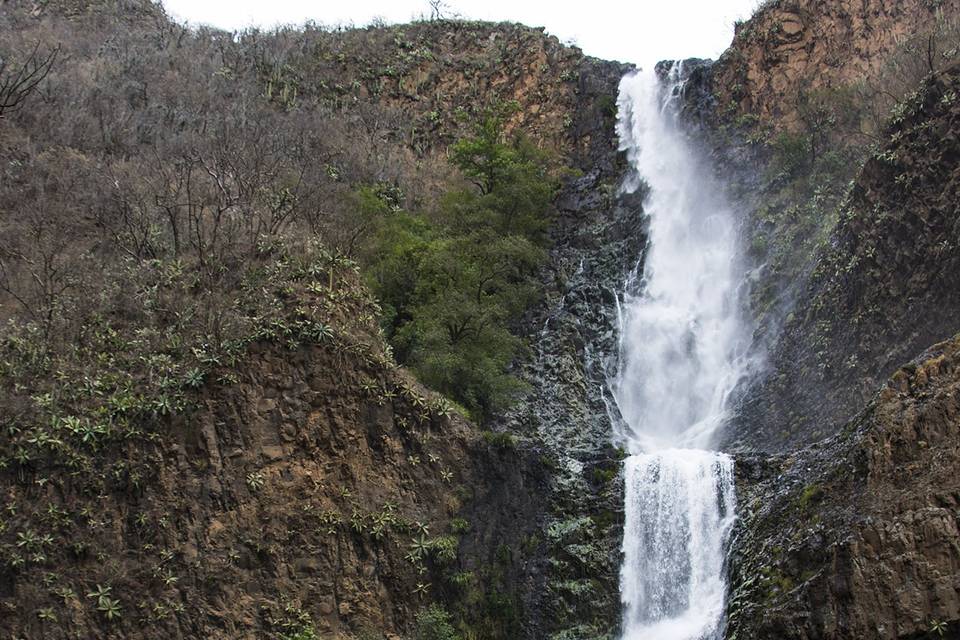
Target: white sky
x,y
641,31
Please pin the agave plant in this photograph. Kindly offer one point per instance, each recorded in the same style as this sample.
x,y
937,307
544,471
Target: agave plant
x,y
47,614
358,522
255,481
420,547
369,387
109,607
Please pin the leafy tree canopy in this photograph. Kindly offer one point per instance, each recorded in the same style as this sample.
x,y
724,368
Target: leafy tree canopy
x,y
455,281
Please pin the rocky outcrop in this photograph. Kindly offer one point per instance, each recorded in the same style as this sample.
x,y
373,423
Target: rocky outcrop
x,y
794,46
852,256
598,236
790,112
858,536
318,491
883,288
431,79
848,520
293,497
565,413
854,536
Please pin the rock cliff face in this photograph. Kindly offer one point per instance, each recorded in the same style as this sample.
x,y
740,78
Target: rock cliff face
x,y
857,536
788,48
291,493
599,236
884,287
433,76
846,246
312,485
321,490
848,509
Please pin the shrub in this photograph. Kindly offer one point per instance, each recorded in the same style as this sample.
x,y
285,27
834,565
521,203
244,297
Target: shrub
x,y
500,440
306,632
792,152
810,495
433,623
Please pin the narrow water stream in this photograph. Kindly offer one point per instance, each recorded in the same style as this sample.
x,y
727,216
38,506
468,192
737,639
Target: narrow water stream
x,y
683,348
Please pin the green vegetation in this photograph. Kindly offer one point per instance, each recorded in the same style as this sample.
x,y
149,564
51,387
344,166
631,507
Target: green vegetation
x,y
810,495
306,632
605,475
775,582
459,525
500,440
938,627
293,622
806,179
129,371
107,606
454,281
433,623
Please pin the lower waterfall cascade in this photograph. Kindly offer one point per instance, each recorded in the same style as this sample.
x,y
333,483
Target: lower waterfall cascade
x,y
684,344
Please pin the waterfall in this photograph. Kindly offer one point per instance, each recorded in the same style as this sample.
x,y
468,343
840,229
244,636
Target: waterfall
x,y
683,346
679,508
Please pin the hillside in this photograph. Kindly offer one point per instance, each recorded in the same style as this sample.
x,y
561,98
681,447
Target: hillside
x,y
310,333
206,432
884,289
826,102
855,536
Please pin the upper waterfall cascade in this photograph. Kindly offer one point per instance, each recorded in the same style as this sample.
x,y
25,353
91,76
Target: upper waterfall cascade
x,y
683,349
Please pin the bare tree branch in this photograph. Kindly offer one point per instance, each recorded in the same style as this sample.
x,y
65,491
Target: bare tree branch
x,y
17,84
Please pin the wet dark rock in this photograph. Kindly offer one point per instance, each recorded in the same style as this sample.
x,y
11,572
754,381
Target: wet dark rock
x,y
882,289
598,237
857,536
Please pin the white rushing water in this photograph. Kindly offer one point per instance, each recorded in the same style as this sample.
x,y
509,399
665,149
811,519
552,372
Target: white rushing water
x,y
683,345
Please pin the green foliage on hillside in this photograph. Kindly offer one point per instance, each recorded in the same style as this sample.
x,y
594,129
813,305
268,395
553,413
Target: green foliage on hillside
x,y
455,280
226,153
433,623
131,367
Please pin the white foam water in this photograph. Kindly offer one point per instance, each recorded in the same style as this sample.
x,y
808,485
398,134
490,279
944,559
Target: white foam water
x,y
683,350
679,509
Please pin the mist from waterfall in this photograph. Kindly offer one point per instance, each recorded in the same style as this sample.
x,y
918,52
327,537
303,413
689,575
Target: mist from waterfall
x,y
683,349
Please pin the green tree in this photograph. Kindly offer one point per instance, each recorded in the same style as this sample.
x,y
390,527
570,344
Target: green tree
x,y
455,281
483,157
433,623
